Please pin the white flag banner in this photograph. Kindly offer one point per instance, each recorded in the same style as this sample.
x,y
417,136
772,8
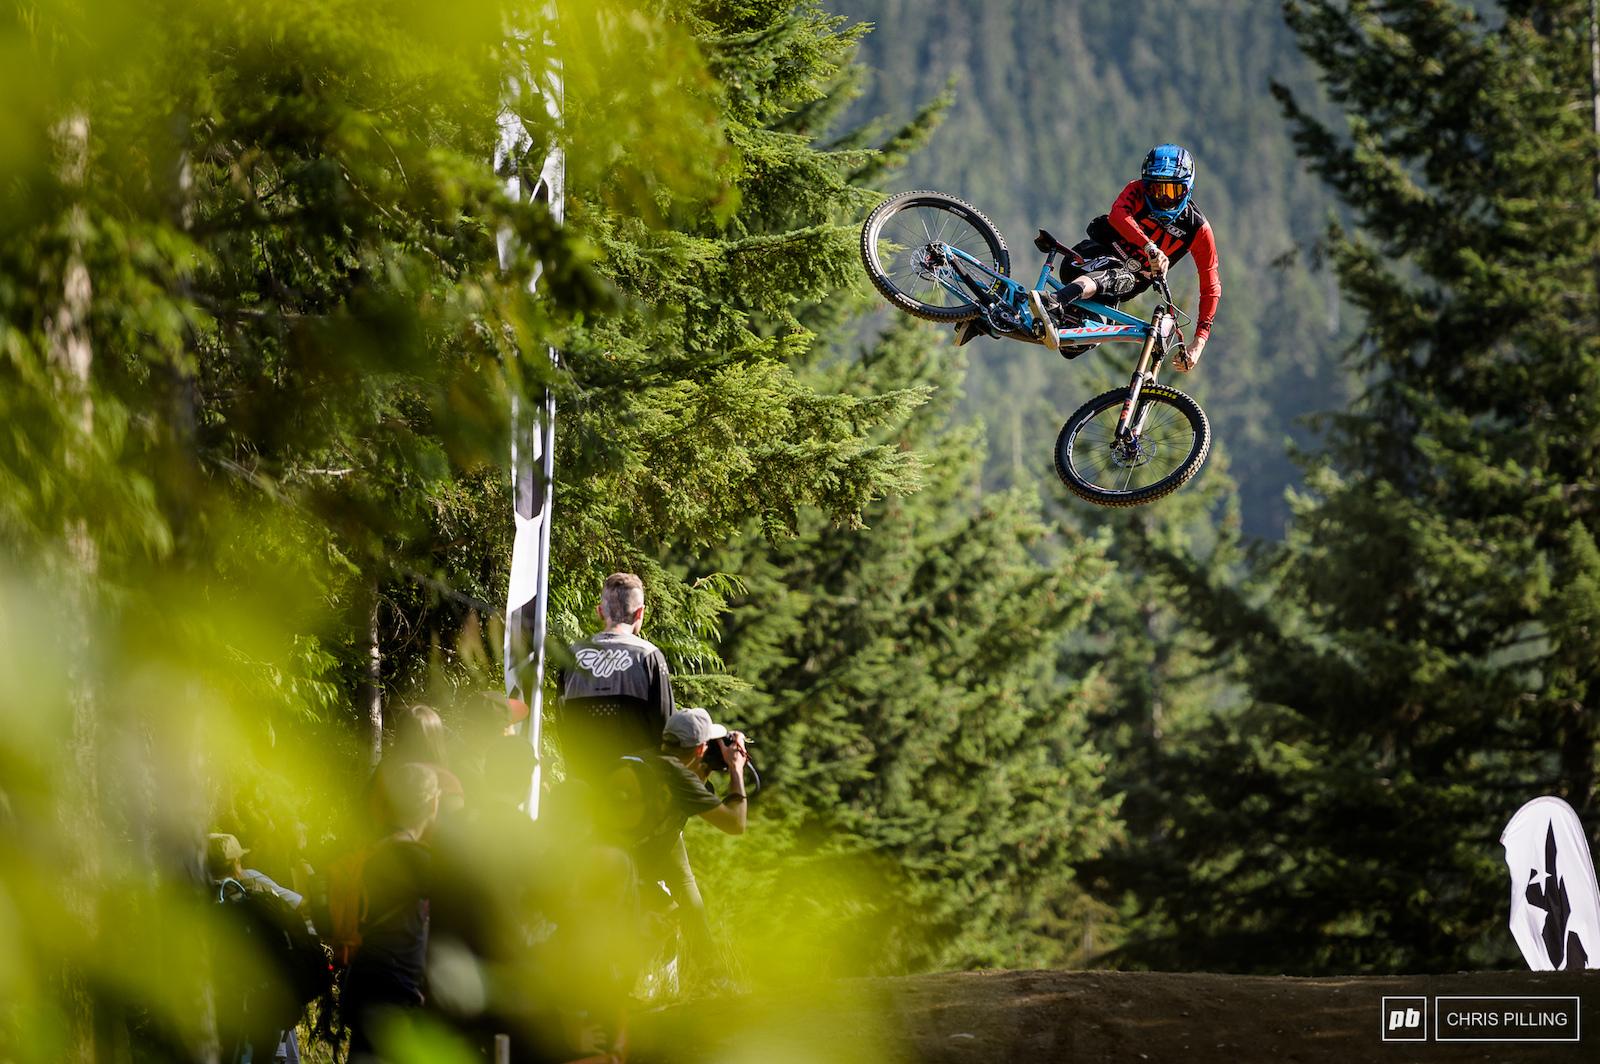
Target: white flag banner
x,y
524,583
532,477
533,426
1555,904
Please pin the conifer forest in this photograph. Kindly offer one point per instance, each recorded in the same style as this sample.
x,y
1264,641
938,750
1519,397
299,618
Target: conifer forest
x,y
267,303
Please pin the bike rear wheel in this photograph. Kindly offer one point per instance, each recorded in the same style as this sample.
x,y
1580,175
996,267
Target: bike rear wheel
x,y
1170,450
901,247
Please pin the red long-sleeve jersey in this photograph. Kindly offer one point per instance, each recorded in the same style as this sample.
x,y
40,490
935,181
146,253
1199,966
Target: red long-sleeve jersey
x,y
1189,231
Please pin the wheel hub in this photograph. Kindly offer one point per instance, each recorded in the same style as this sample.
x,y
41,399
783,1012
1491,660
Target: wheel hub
x,y
927,261
1131,451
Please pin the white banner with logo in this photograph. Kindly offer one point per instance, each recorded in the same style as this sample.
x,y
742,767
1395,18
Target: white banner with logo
x,y
1555,904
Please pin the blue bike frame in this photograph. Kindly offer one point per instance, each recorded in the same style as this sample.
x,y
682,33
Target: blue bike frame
x,y
1011,295
1005,306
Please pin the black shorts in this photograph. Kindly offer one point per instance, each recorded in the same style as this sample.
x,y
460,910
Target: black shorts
x,y
1113,278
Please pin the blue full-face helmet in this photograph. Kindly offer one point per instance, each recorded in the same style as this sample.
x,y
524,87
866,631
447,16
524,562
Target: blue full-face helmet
x,y
1168,177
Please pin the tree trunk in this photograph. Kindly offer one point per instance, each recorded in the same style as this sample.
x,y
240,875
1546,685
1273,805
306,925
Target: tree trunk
x,y
373,688
1594,76
79,810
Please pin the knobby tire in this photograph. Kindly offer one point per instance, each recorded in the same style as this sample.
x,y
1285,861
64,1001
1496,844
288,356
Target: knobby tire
x,y
1083,455
890,267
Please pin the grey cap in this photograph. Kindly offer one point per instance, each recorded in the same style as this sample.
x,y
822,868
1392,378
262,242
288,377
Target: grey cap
x,y
691,727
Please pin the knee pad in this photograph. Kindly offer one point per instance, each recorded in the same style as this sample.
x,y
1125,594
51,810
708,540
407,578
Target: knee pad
x,y
1115,282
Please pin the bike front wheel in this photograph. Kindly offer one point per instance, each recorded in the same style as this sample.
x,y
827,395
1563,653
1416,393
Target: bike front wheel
x,y
1158,460
903,248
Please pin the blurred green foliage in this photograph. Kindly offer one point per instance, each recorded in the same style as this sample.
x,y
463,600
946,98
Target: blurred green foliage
x,y
259,349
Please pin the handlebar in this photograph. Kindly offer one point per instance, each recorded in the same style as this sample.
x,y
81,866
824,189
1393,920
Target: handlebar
x,y
1160,281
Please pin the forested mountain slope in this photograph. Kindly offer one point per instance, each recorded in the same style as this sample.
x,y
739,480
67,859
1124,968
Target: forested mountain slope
x,y
1056,103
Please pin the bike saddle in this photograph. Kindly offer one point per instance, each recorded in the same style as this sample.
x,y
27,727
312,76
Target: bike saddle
x,y
1047,243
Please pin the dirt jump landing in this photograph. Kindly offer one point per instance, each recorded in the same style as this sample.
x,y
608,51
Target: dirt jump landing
x,y
1130,1017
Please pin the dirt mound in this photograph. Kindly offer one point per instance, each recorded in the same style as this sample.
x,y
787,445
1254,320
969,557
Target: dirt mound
x,y
1035,1017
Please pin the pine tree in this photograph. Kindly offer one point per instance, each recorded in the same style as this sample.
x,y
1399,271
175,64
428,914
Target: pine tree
x,y
908,709
683,414
1418,654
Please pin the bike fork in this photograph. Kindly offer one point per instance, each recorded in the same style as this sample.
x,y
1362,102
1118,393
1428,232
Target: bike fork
x,y
1135,387
1162,327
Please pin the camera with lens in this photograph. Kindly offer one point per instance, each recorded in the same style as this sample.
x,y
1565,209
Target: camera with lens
x,y
716,755
716,759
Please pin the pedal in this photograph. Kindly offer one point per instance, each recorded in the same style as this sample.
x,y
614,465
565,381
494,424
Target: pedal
x,y
970,330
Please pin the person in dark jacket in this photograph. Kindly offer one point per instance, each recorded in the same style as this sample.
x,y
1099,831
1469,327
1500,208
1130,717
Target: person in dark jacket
x,y
385,978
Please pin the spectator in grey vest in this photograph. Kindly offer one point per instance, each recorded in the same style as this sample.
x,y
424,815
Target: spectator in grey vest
x,y
617,693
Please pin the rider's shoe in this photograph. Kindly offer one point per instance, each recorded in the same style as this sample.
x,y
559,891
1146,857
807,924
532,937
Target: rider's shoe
x,y
1047,325
969,330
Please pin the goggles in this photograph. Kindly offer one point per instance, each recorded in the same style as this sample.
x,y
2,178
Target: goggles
x,y
1165,195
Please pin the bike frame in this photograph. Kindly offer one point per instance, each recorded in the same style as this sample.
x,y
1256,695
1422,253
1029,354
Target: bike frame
x,y
1005,305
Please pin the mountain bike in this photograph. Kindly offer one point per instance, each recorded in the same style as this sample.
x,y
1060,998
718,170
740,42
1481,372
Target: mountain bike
x,y
938,258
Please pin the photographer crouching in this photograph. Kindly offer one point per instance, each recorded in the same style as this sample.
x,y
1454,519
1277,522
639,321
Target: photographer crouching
x,y
655,792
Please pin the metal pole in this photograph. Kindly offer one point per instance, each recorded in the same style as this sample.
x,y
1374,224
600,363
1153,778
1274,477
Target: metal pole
x,y
541,610
1594,77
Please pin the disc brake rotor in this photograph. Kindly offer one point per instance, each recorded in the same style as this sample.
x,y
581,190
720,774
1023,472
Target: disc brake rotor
x,y
1132,451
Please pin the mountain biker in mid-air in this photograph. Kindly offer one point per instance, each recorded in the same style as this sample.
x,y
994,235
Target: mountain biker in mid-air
x,y
1153,224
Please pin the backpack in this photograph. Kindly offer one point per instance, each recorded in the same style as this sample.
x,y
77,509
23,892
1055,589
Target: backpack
x,y
297,969
339,902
